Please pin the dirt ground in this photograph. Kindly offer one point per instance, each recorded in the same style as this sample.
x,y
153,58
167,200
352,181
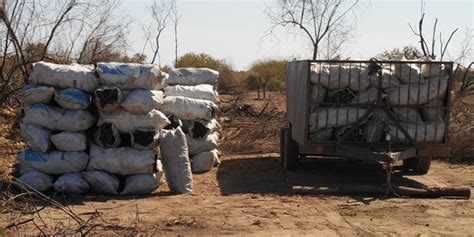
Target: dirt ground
x,y
249,193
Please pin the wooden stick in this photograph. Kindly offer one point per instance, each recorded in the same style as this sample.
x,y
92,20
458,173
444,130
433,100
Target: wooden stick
x,y
380,190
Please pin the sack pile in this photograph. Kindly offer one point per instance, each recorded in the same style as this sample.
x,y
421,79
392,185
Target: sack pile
x,y
191,102
103,128
124,154
55,124
342,94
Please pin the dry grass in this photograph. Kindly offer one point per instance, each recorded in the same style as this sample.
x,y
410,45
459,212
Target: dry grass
x,y
250,125
461,131
10,141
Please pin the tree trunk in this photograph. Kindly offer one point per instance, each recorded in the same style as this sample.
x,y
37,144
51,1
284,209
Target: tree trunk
x,y
315,51
264,86
258,91
176,44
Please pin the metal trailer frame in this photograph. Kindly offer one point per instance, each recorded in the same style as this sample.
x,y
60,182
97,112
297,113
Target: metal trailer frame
x,y
298,105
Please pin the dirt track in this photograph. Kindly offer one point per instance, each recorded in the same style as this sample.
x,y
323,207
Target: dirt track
x,y
251,194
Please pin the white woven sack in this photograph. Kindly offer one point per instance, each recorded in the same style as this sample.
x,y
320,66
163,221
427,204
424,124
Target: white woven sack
x,y
72,183
337,76
202,92
204,161
53,162
130,76
37,180
176,164
189,109
36,137
70,141
122,161
334,117
142,101
73,98
418,94
140,184
420,133
102,182
64,76
126,122
36,93
192,76
58,119
198,145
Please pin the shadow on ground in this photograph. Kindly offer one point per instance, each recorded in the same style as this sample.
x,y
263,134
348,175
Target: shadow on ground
x,y
264,175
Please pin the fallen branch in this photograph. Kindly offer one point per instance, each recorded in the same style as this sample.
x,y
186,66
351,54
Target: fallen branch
x,y
265,107
18,224
380,190
41,196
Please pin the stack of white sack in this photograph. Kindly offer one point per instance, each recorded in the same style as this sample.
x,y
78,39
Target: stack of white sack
x,y
342,93
191,100
55,123
124,158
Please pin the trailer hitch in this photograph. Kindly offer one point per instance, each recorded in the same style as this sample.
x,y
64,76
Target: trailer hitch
x,y
388,165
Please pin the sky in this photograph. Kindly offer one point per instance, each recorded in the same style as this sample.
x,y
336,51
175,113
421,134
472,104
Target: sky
x,y
236,30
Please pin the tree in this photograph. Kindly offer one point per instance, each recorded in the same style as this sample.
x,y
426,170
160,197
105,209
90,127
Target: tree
x,y
57,31
425,48
409,52
466,49
161,13
264,72
314,19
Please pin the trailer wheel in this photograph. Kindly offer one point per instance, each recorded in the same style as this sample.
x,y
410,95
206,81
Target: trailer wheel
x,y
291,152
282,146
419,165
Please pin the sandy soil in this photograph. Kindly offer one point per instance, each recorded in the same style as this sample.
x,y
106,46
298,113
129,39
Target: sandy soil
x,y
250,194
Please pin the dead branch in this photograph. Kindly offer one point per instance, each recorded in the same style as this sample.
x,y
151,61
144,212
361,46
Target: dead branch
x,y
161,13
435,192
433,41
423,44
447,43
14,224
41,196
465,81
62,17
264,107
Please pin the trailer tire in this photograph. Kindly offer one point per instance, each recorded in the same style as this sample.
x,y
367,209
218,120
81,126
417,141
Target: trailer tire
x,y
419,165
282,146
291,152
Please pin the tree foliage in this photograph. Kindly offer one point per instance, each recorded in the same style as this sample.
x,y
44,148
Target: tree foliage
x,y
267,74
409,52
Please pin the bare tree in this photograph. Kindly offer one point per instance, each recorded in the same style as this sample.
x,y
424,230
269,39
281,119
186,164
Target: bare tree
x,y
425,48
314,19
175,17
161,13
58,31
466,49
336,38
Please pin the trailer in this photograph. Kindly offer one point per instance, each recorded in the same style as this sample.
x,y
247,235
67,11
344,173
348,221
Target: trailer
x,y
374,111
